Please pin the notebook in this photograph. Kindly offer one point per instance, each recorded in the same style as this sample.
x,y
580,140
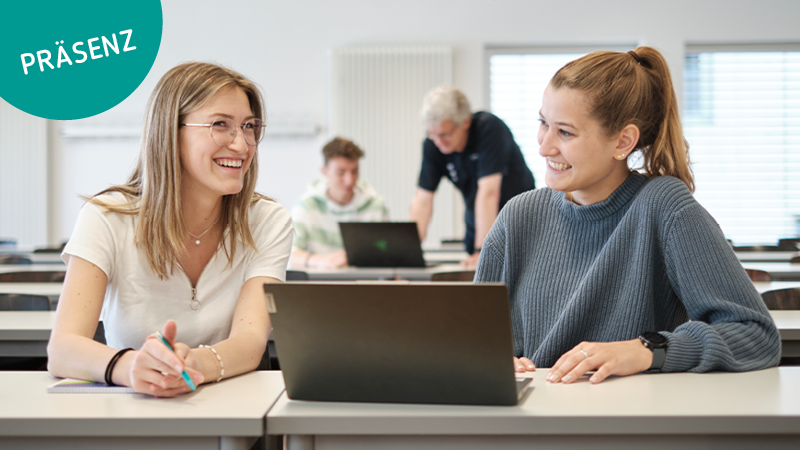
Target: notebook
x,y
445,343
382,244
72,386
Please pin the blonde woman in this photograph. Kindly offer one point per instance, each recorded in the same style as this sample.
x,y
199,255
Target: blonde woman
x,y
614,271
184,247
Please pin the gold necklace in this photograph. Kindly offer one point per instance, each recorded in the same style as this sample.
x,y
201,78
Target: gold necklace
x,y
197,238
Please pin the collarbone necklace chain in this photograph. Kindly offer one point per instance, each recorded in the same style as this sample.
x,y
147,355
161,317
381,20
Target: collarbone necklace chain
x,y
197,237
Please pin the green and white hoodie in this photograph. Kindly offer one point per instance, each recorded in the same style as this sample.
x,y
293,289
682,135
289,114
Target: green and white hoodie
x,y
316,217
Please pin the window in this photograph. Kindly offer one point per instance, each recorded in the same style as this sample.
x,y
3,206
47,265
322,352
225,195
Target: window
x,y
742,120
517,80
741,117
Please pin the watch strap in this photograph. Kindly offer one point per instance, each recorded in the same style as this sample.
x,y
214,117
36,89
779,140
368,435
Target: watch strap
x,y
659,356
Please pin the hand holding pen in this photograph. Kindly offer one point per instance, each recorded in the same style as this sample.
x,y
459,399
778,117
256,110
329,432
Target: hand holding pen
x,y
164,368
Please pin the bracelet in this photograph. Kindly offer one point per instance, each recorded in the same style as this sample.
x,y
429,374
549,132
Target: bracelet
x,y
217,361
113,363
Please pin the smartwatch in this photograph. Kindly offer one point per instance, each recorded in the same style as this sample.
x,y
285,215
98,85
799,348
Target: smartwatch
x,y
658,345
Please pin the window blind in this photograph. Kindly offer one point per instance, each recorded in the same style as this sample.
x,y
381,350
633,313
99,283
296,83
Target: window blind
x,y
517,84
742,120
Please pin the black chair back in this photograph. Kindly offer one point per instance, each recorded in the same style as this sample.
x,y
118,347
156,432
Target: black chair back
x,y
463,275
24,302
791,245
296,275
14,259
33,277
782,299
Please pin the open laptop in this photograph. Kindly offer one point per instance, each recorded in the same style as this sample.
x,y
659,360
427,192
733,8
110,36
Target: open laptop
x,y
382,244
446,343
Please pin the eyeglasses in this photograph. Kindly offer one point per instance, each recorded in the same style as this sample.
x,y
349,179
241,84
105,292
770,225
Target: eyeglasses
x,y
441,136
223,132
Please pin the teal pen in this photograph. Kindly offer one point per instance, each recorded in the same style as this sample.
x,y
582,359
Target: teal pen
x,y
185,375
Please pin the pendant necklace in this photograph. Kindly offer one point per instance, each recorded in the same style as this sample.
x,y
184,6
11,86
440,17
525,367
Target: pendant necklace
x,y
197,238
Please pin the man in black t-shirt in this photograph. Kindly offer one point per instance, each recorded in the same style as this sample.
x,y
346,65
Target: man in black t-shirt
x,y
478,154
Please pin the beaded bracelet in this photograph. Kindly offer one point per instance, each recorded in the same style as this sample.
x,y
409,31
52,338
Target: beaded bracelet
x,y
218,361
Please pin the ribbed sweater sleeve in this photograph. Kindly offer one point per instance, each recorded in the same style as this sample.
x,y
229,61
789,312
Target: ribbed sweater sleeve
x,y
649,258
730,328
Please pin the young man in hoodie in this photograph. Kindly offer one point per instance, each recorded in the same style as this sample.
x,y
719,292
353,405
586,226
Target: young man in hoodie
x,y
339,196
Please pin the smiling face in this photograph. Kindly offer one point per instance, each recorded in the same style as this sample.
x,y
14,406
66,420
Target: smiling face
x,y
581,158
209,169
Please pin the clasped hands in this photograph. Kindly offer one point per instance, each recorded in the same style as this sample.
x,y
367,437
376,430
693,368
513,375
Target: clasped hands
x,y
155,370
604,358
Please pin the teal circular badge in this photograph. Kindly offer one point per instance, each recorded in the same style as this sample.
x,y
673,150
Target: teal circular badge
x,y
74,59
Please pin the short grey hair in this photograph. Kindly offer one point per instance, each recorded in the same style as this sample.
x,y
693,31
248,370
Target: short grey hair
x,y
444,103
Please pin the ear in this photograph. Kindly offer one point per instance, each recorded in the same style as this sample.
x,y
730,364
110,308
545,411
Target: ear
x,y
467,123
324,171
626,141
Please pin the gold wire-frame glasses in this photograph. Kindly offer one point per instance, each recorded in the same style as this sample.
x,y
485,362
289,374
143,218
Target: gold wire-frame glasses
x,y
223,132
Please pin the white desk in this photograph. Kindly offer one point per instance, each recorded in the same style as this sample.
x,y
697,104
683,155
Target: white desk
x,y
36,258
57,267
225,415
445,256
780,271
766,256
654,411
764,286
52,290
25,333
379,273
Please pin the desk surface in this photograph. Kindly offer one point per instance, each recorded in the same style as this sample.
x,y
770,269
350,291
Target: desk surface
x,y
780,271
234,407
766,256
714,403
379,273
46,289
56,267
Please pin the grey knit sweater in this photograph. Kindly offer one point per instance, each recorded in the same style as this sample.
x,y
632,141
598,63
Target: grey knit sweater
x,y
649,258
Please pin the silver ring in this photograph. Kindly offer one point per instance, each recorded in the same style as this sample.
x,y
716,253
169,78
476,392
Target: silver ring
x,y
584,353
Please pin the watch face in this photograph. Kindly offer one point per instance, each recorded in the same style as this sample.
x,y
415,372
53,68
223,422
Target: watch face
x,y
655,340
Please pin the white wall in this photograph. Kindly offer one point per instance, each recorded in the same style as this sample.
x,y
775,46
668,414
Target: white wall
x,y
283,46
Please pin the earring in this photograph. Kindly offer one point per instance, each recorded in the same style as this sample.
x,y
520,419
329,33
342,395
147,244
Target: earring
x,y
621,156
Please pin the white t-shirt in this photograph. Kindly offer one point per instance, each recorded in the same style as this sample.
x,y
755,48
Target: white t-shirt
x,y
138,303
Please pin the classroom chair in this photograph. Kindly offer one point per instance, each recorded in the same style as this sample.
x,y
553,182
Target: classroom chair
x,y
14,259
33,277
757,248
791,245
758,275
23,302
58,249
461,275
782,299
795,259
296,275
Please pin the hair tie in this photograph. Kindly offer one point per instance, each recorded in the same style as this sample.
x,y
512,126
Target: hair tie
x,y
636,57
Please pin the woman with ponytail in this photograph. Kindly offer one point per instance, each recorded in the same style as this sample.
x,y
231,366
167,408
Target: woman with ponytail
x,y
614,270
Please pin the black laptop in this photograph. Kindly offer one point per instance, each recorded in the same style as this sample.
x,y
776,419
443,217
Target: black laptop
x,y
382,244
445,343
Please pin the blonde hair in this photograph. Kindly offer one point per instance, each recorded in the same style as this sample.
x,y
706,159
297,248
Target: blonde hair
x,y
153,189
445,103
634,88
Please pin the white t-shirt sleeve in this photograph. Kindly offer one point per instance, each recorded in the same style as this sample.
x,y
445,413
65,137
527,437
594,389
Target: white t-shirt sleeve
x,y
272,230
93,239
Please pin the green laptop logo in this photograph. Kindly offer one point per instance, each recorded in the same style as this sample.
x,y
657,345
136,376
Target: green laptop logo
x,y
382,245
